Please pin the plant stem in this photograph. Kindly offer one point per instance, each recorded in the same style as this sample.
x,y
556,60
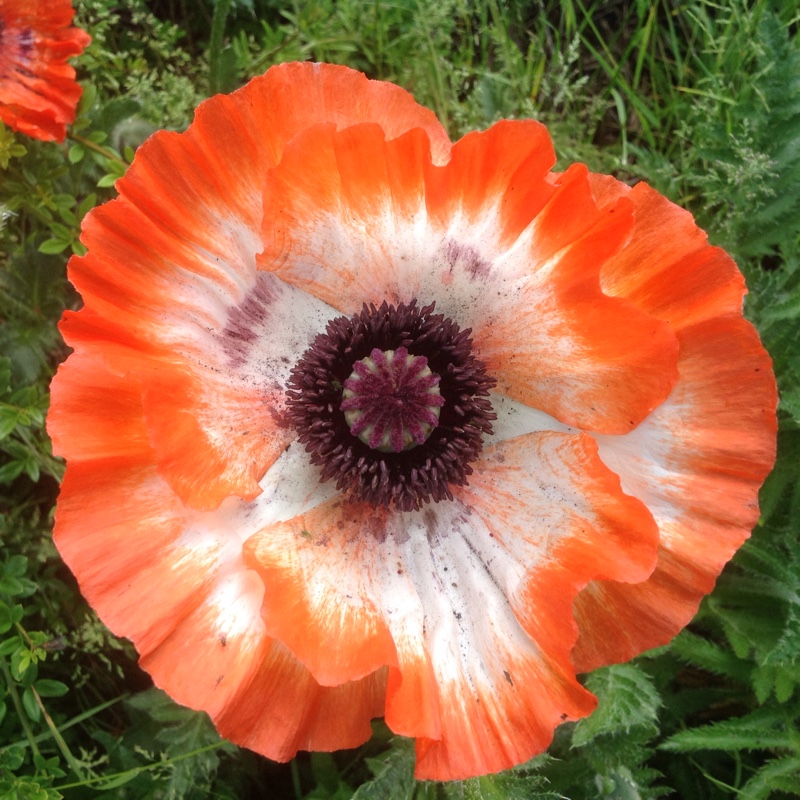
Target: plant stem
x,y
98,148
147,768
215,47
62,745
15,698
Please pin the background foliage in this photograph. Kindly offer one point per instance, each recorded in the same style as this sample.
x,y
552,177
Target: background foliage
x,y
701,99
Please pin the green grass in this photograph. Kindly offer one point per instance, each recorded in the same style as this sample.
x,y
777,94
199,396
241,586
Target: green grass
x,y
699,98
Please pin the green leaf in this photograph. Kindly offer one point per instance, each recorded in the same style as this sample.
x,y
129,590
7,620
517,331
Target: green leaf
x,y
11,471
159,722
16,566
627,699
394,774
764,729
509,785
9,418
30,705
32,469
11,586
708,655
12,757
50,688
76,154
6,621
53,246
89,202
8,646
778,774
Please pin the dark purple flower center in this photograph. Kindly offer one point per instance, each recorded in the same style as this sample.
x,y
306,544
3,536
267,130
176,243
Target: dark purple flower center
x,y
392,405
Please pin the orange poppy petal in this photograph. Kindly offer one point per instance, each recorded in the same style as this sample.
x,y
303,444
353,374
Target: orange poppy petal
x,y
350,588
558,343
582,526
668,268
172,579
214,404
339,635
38,91
353,218
699,460
697,463
95,414
282,709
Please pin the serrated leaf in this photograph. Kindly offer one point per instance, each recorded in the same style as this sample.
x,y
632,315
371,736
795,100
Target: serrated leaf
x,y
510,785
709,656
394,774
778,774
763,682
784,685
627,699
764,729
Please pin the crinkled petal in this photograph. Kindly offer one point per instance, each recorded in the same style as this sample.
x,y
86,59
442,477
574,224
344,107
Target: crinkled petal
x,y
351,217
172,579
283,709
215,416
698,461
338,635
468,602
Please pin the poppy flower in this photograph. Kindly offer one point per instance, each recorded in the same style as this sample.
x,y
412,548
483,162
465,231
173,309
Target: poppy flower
x,y
38,91
360,422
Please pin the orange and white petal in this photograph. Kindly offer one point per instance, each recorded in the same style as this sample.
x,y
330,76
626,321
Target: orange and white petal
x,y
175,584
698,461
282,709
172,579
170,285
214,404
340,635
668,268
351,217
552,516
469,603
38,91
